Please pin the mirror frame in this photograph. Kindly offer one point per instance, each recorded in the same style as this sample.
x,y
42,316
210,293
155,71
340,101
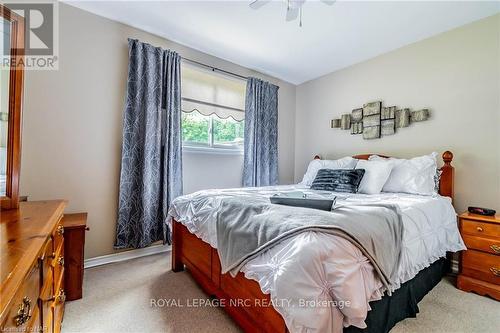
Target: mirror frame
x,y
11,198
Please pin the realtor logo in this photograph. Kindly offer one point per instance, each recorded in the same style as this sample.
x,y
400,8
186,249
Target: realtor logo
x,y
40,34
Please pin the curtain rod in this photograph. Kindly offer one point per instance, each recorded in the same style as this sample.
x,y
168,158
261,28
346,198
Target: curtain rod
x,y
214,69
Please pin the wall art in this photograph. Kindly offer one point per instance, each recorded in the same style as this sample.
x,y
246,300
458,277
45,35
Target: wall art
x,y
374,121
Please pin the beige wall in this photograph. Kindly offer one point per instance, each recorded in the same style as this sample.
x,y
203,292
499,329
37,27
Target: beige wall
x,y
456,74
72,124
217,171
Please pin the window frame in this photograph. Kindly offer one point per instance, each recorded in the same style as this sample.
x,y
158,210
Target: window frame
x,y
211,146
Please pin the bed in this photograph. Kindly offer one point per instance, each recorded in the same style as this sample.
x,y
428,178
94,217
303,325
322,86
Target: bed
x,y
268,291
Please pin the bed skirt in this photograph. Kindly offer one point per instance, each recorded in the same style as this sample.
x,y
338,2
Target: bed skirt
x,y
403,303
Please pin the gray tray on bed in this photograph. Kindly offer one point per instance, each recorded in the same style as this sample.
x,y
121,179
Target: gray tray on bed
x,y
301,200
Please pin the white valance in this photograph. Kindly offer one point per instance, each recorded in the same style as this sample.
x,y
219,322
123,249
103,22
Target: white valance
x,y
212,93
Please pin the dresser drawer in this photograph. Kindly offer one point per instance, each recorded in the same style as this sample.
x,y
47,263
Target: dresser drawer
x,y
46,301
57,234
482,266
480,228
24,306
58,307
48,323
58,262
33,324
485,244
46,260
58,304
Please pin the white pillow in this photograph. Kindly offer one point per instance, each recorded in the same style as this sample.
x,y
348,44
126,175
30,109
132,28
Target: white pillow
x,y
415,176
315,165
376,174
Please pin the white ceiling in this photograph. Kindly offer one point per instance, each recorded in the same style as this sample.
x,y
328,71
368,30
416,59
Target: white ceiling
x,y
331,38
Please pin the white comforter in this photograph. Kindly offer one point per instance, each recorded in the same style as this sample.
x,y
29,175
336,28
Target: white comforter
x,y
313,266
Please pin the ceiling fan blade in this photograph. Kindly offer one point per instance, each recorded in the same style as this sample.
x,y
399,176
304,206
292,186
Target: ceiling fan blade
x,y
292,14
256,4
328,2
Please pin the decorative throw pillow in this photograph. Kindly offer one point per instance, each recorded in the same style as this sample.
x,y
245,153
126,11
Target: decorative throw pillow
x,y
343,163
338,180
414,176
376,174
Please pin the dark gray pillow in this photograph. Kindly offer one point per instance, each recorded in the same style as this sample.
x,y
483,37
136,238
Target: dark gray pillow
x,y
338,180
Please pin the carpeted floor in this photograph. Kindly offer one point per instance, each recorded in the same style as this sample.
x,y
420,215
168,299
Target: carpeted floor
x,y
118,298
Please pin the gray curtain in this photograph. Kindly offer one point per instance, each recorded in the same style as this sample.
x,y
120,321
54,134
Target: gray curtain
x,y
260,164
151,170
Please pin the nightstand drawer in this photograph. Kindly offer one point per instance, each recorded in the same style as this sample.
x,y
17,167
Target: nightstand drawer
x,y
482,266
480,228
490,245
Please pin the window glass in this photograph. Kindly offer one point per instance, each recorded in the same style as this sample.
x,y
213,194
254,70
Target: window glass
x,y
195,128
228,132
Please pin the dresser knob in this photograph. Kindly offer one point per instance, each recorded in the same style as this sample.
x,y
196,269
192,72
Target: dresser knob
x,y
60,230
60,261
62,296
495,248
495,271
480,229
23,313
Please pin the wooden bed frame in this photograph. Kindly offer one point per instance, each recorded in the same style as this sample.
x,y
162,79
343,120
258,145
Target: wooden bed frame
x,y
240,297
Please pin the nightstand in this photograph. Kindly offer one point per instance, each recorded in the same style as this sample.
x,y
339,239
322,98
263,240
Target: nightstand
x,y
480,263
75,226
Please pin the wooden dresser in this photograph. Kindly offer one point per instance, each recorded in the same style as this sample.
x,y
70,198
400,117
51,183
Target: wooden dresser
x,y
32,267
480,264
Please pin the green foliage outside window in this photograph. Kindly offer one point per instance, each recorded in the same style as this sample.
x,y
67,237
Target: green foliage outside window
x,y
226,132
195,127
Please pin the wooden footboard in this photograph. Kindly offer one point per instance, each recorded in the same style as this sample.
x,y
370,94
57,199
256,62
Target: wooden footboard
x,y
240,297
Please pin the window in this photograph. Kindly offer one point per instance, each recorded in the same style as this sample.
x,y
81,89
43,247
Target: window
x,y
213,116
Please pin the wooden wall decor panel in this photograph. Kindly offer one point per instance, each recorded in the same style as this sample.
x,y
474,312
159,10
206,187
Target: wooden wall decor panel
x,y
374,121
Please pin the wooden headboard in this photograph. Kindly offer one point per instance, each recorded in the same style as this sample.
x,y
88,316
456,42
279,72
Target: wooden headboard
x,y
447,172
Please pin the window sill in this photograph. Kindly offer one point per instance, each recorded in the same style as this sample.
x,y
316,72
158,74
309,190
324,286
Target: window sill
x,y
209,150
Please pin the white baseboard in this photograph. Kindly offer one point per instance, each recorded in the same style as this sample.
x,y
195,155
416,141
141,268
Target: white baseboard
x,y
126,255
